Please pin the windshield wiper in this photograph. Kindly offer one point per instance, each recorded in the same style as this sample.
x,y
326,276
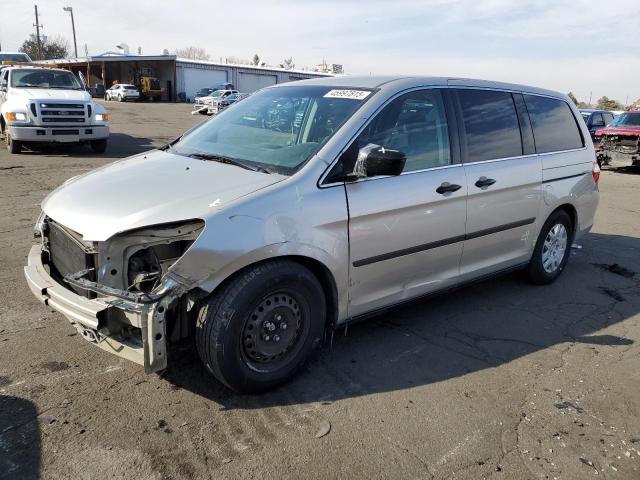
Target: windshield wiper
x,y
228,161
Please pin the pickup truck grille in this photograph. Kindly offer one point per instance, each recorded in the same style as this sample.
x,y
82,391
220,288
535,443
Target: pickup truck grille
x,y
67,254
62,113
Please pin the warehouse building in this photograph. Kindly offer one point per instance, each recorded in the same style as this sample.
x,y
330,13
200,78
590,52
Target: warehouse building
x,y
180,78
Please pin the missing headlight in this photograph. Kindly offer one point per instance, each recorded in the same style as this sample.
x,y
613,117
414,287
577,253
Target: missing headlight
x,y
147,265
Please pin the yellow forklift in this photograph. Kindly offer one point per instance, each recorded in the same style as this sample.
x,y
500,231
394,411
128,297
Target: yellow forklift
x,y
148,84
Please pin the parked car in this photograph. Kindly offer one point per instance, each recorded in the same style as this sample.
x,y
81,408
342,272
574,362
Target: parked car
x,y
222,102
122,92
49,105
203,92
203,105
596,119
308,206
620,140
14,57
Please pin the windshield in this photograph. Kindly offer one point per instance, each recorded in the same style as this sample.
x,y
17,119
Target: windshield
x,y
217,93
630,119
33,78
277,129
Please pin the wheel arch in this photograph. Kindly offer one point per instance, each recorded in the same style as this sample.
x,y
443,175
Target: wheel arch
x,y
319,270
569,210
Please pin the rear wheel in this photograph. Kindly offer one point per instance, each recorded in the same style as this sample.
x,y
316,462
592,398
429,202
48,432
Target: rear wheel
x,y
99,146
259,329
551,252
13,146
119,98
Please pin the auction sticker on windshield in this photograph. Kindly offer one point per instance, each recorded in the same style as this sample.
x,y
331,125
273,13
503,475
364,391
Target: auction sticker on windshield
x,y
348,94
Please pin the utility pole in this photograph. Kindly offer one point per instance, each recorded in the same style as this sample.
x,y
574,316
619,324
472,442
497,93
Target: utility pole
x,y
38,26
73,26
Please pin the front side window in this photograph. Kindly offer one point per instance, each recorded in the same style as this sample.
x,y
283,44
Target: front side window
x,y
415,124
277,129
554,126
490,125
43,78
597,120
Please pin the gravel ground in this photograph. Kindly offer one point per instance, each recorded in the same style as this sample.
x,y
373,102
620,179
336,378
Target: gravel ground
x,y
498,380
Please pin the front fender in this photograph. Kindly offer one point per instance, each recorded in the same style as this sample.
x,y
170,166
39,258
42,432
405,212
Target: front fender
x,y
283,221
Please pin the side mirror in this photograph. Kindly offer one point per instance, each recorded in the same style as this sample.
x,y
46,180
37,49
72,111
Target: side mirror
x,y
374,160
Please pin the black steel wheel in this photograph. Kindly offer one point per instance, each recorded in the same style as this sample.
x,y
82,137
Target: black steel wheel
x,y
259,329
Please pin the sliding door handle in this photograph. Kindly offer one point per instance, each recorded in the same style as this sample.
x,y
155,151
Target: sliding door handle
x,y
447,187
485,182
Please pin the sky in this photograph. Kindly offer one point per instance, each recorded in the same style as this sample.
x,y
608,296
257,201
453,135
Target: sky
x,y
587,47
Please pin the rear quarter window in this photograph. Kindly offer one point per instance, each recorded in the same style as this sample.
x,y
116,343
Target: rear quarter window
x,y
554,126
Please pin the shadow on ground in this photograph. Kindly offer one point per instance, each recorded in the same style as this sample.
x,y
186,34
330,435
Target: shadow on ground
x,y
120,145
476,327
19,438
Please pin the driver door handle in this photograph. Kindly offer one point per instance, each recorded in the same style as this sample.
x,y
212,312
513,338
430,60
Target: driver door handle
x,y
484,182
447,187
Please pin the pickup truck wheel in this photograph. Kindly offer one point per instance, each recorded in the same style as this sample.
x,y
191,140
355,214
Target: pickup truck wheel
x,y
260,328
119,98
13,146
99,146
551,252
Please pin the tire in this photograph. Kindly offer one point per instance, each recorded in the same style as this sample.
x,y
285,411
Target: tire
x,y
13,146
120,98
551,252
99,146
237,327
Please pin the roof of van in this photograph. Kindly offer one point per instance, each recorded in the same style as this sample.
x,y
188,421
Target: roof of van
x,y
400,82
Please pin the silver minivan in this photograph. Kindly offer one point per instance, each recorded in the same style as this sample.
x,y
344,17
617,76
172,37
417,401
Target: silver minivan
x,y
310,205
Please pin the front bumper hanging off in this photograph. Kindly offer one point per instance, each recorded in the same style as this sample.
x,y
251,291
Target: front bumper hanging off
x,y
89,316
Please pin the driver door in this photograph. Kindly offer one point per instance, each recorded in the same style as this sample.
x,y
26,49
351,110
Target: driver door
x,y
406,232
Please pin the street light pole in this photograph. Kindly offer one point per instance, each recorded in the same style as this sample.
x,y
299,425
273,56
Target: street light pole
x,y
73,26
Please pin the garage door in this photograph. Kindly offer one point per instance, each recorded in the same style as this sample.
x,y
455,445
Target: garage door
x,y
197,78
250,82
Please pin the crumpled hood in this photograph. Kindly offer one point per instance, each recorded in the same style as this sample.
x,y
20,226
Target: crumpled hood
x,y
149,189
48,94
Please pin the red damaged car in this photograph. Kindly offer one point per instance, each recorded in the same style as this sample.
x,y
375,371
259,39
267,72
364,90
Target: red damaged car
x,y
620,140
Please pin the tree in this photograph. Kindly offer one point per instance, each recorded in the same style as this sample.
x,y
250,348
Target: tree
x,y
584,105
573,98
288,64
192,53
51,49
604,103
256,60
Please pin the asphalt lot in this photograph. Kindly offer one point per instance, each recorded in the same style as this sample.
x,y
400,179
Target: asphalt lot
x,y
498,380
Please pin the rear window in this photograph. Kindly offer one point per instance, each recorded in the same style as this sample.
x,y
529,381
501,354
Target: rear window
x,y
554,126
490,125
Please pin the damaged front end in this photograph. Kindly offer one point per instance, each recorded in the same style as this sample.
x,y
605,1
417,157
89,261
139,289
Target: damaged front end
x,y
623,147
119,294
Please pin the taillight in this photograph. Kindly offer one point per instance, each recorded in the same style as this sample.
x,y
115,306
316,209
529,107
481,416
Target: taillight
x,y
595,172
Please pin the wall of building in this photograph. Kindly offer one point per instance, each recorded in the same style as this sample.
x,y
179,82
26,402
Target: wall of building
x,y
191,76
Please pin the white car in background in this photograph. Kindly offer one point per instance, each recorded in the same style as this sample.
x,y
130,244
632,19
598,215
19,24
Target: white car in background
x,y
122,92
202,105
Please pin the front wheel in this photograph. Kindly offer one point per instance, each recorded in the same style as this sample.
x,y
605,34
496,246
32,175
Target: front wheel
x,y
99,146
260,328
551,252
13,146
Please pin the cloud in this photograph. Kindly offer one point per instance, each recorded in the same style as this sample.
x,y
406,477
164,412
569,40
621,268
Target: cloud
x,y
562,44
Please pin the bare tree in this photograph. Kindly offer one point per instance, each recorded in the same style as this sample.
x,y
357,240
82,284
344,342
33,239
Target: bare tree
x,y
288,64
605,103
192,53
573,98
256,60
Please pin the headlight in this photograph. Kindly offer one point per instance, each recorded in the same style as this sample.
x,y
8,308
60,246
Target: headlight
x,y
16,116
102,117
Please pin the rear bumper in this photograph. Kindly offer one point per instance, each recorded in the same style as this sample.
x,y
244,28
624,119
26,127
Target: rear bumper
x,y
89,317
59,134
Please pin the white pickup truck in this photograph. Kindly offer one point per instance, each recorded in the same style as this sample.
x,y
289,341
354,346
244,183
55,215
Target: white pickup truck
x,y
48,105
